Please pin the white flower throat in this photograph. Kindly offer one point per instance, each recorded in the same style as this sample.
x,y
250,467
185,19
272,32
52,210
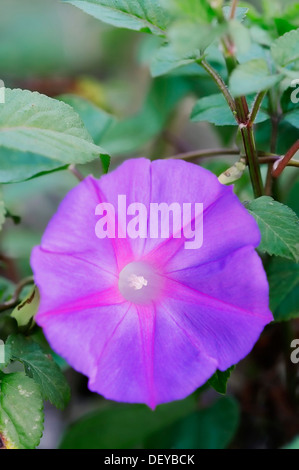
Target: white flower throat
x,y
139,282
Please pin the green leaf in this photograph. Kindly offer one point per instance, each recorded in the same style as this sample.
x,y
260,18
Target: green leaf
x,y
96,120
24,312
42,368
21,411
283,26
292,118
279,227
5,354
123,426
219,380
105,163
285,49
283,277
168,59
294,444
240,15
39,134
199,10
240,36
209,428
2,210
214,109
8,326
140,15
7,289
291,12
252,77
190,38
187,43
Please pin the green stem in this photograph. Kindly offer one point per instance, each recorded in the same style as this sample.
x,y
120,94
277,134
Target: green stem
x,y
256,105
252,159
243,117
221,85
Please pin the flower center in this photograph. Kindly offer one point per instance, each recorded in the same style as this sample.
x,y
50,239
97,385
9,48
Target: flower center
x,y
139,282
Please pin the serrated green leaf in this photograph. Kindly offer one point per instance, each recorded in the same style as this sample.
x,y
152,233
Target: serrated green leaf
x,y
189,38
140,15
42,368
219,380
279,227
21,411
214,109
123,426
168,59
209,428
24,312
187,43
240,15
39,134
285,49
96,120
199,10
283,277
252,77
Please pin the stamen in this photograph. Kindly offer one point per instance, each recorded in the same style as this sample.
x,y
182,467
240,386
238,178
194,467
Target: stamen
x,y
139,282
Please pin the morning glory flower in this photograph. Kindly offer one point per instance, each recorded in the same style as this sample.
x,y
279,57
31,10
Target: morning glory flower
x,y
149,319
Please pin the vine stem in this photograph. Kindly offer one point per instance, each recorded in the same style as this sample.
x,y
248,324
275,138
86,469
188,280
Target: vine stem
x,y
279,166
76,172
256,106
233,9
239,107
252,159
195,154
15,298
221,85
241,113
263,157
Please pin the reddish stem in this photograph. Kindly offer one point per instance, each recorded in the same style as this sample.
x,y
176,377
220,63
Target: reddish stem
x,y
282,163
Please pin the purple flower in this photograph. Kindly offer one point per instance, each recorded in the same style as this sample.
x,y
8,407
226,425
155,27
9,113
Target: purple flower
x,y
147,320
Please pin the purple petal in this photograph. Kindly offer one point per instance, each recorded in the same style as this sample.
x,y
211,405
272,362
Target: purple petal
x,y
227,226
71,231
80,336
132,179
227,332
63,278
238,279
